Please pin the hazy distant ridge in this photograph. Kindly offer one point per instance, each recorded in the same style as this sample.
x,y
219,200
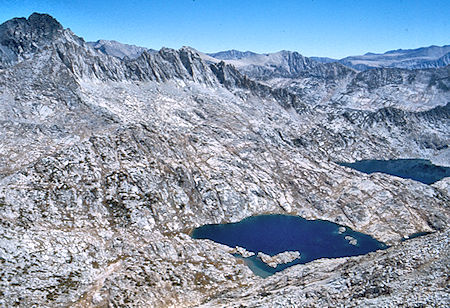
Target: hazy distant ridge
x,y
424,57
119,50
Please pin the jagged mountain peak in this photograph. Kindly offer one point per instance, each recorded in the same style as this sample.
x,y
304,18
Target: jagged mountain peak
x,y
44,20
20,36
37,21
190,49
186,50
43,38
36,27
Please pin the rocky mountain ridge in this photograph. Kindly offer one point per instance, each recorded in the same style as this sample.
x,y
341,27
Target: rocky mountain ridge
x,y
424,57
107,163
333,83
119,50
231,54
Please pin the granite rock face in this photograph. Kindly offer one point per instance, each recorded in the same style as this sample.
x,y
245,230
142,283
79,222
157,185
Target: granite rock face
x,y
107,164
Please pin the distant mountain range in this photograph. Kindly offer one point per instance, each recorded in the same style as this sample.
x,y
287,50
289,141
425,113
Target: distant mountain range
x,y
319,83
424,57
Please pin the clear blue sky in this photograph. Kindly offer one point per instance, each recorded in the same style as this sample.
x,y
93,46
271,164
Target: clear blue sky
x,y
334,28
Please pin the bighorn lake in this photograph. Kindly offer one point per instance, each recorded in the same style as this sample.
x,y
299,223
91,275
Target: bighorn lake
x,y
274,234
416,169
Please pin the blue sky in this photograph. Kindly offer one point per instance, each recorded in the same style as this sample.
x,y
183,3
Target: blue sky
x,y
334,28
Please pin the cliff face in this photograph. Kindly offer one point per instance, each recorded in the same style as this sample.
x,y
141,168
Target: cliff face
x,y
107,164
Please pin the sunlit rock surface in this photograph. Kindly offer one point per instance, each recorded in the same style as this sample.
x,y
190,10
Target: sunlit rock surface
x,y
281,258
107,164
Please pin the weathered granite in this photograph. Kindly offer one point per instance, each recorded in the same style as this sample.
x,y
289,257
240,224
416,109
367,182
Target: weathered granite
x,y
280,258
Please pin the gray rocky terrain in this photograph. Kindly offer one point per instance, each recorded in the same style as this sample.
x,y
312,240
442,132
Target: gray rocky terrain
x,y
328,84
107,164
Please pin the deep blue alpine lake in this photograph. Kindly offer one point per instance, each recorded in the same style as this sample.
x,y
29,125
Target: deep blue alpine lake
x,y
416,169
273,234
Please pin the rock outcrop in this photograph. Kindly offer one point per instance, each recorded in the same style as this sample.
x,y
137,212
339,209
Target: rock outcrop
x,y
280,258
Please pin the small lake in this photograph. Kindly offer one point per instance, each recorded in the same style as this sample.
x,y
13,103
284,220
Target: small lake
x,y
274,234
421,170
